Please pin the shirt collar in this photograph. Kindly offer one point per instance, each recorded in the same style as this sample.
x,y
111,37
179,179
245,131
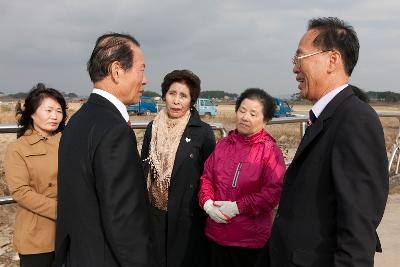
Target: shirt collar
x,y
324,101
115,101
33,137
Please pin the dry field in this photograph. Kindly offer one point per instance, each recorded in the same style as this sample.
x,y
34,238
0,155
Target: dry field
x,y
287,136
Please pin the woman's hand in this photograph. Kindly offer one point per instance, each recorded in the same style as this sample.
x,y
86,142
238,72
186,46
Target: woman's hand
x,y
215,214
228,208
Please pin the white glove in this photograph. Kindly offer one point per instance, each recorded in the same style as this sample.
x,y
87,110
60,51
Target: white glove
x,y
214,213
229,208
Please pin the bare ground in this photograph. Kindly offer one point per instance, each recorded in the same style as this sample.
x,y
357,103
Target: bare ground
x,y
287,136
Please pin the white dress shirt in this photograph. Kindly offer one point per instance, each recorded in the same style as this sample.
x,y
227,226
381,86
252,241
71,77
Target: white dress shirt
x,y
115,101
324,101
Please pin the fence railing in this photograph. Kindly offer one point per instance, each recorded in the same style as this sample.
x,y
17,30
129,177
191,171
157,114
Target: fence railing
x,y
394,158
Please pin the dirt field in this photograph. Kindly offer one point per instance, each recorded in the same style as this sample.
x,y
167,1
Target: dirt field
x,y
287,136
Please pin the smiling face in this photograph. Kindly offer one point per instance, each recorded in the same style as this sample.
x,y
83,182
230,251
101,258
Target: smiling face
x,y
311,72
133,79
177,100
47,116
250,117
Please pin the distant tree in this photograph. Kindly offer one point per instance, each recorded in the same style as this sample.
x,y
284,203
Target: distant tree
x,y
150,94
18,95
295,97
71,95
387,96
217,94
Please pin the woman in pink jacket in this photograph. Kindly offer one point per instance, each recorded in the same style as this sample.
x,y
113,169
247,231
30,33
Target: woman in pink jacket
x,y
241,184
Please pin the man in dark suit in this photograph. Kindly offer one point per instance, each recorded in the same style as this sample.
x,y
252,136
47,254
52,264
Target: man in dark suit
x,y
102,217
336,187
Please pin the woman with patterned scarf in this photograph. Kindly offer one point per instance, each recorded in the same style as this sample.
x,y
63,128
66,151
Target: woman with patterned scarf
x,y
175,147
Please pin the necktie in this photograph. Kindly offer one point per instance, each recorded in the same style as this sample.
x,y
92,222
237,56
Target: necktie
x,y
311,119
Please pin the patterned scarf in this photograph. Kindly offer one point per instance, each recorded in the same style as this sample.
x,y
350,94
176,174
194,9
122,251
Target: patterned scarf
x,y
165,137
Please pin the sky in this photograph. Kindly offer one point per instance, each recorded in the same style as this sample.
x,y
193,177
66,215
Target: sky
x,y
230,44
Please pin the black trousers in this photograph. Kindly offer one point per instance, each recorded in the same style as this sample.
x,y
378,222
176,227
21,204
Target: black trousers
x,y
36,260
158,220
222,256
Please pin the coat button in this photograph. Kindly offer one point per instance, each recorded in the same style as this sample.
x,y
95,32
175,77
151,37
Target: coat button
x,y
50,184
191,156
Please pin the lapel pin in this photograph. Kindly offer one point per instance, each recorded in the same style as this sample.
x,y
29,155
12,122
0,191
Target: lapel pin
x,y
187,140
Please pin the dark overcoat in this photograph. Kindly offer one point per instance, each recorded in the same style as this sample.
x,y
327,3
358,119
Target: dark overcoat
x,y
102,217
185,241
334,192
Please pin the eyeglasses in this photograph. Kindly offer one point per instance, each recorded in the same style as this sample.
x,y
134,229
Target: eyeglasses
x,y
296,59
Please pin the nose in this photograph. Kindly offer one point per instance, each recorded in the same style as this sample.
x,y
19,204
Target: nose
x,y
296,68
144,82
53,115
176,99
245,117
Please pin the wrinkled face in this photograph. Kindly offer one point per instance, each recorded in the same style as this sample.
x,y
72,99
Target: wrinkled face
x,y
47,116
311,71
133,80
177,100
250,117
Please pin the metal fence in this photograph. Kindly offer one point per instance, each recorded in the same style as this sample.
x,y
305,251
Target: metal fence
x,y
394,158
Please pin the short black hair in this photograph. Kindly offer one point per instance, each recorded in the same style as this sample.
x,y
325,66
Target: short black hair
x,y
33,101
336,34
109,48
265,99
191,80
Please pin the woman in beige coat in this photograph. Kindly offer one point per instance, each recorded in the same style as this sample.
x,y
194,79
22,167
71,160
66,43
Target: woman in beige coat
x,y
31,175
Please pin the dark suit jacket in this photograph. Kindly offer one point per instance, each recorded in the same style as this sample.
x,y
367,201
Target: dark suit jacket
x,y
102,217
335,190
186,242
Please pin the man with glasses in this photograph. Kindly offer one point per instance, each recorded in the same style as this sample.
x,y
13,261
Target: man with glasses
x,y
336,187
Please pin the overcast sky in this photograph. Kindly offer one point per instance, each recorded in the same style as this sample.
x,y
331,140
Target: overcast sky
x,y
230,44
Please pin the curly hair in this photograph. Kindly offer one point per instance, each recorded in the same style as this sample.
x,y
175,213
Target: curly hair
x,y
191,80
265,99
33,101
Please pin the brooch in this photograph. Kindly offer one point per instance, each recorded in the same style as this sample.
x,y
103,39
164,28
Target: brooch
x,y
187,140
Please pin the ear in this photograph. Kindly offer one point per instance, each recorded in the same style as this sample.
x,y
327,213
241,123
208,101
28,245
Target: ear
x,y
335,61
115,71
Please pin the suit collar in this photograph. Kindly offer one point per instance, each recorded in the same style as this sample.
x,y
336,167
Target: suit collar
x,y
114,100
102,101
319,125
335,103
320,105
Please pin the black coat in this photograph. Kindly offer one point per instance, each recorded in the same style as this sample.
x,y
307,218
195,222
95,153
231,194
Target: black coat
x,y
102,217
186,242
334,192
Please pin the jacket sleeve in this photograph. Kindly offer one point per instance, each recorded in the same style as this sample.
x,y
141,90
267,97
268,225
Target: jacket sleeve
x,y
206,191
18,181
360,176
272,178
122,196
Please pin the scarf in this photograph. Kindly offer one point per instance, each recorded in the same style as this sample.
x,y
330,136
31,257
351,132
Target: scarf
x,y
165,138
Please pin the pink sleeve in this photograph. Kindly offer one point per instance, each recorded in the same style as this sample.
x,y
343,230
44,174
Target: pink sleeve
x,y
269,195
206,191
